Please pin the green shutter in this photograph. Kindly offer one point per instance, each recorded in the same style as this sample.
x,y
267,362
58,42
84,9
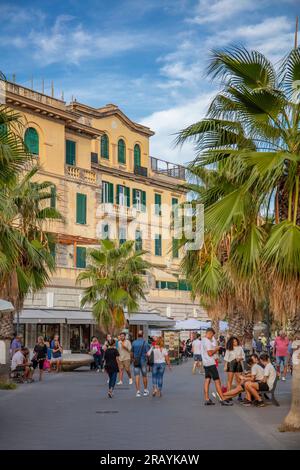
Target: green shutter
x,y
80,257
70,152
81,208
175,249
104,146
172,285
138,240
134,197
121,151
144,201
118,194
137,155
53,197
174,201
157,245
111,192
183,285
127,195
31,140
157,201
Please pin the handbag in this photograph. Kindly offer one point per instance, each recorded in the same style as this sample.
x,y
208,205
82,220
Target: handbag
x,y
150,358
137,360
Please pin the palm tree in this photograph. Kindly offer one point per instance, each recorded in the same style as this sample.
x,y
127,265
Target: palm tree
x,y
115,282
252,132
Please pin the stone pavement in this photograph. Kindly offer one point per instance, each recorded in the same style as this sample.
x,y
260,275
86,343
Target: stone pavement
x,y
71,411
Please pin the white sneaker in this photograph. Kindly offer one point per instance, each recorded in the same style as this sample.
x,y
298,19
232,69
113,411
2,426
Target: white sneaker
x,y
146,392
138,394
283,378
120,382
130,381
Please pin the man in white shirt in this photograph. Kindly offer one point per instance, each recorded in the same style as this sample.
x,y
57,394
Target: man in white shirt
x,y
256,374
196,349
263,385
209,354
19,363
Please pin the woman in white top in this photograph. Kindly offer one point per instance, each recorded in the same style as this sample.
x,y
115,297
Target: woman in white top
x,y
234,358
160,359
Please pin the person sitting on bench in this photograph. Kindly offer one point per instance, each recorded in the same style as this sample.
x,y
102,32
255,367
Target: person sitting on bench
x,y
265,385
255,375
20,364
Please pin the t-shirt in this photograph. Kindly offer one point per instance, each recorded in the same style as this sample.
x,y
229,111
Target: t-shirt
x,y
159,355
17,360
208,345
110,357
197,346
137,346
258,372
281,345
95,348
56,354
296,353
270,373
124,354
15,344
236,353
41,351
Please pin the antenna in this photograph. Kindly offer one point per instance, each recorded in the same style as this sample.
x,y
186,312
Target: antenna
x,y
52,89
32,82
296,33
14,78
43,86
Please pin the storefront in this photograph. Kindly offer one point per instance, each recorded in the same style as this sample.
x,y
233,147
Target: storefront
x,y
147,321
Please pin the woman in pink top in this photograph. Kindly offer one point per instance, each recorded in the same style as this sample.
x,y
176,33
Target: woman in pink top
x,y
281,352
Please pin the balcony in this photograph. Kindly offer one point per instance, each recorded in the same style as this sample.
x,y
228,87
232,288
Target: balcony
x,y
35,95
140,170
81,174
165,168
116,211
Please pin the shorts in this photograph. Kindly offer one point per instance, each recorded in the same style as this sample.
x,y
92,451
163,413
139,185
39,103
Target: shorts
x,y
281,360
125,365
142,369
39,363
197,358
55,359
211,372
263,387
19,368
234,366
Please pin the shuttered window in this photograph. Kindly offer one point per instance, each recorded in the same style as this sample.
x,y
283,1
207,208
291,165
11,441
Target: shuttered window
x,y
122,235
107,192
70,152
123,195
81,208
139,199
31,140
121,151
52,249
80,257
175,249
53,197
157,202
137,155
105,231
104,147
138,240
157,245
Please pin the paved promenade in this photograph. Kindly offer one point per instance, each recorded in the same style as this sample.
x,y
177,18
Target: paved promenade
x,y
71,411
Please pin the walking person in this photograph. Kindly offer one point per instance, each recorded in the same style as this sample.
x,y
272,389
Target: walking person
x,y
281,346
139,355
124,348
112,365
196,349
160,360
95,350
234,357
209,354
56,356
39,356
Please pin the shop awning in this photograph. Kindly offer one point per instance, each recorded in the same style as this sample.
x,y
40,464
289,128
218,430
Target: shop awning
x,y
161,275
56,316
153,320
6,306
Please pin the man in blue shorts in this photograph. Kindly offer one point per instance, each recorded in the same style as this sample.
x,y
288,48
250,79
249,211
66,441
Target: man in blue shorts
x,y
139,350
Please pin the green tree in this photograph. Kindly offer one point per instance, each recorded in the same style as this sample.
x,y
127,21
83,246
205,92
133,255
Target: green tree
x,y
252,132
114,278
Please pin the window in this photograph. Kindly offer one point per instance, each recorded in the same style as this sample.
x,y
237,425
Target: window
x,y
81,208
104,152
121,151
138,240
31,140
183,285
80,257
139,199
137,155
175,207
53,197
107,192
157,202
123,196
122,235
157,245
94,157
70,152
105,232
175,249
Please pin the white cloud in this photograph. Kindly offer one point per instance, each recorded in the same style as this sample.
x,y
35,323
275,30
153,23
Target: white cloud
x,y
212,11
170,121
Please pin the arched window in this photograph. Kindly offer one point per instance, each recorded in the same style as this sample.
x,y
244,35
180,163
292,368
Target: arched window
x,y
104,146
121,151
31,140
137,155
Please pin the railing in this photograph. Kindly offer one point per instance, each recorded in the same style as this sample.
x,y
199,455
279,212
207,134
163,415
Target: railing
x,y
86,121
168,169
108,209
81,174
140,170
34,95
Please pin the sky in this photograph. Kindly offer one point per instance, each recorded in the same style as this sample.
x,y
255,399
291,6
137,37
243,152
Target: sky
x,y
149,57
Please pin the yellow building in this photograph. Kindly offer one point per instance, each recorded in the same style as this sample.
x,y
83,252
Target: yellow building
x,y
106,184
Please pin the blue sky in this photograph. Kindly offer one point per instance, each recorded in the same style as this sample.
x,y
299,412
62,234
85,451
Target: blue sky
x,y
146,56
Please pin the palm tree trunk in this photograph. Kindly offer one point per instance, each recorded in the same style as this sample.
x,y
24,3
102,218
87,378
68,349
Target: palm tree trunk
x,y
236,323
215,326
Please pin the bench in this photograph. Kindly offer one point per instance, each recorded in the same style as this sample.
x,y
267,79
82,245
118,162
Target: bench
x,y
272,393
